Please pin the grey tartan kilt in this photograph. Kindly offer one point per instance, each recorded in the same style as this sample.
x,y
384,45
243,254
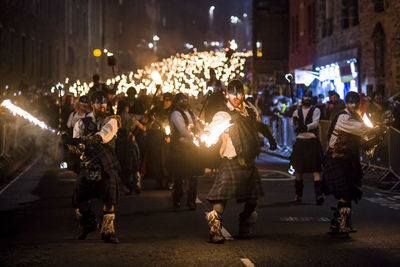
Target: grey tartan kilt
x,y
235,182
342,177
105,189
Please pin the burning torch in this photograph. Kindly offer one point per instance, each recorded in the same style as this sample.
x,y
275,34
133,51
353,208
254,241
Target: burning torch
x,y
289,78
379,132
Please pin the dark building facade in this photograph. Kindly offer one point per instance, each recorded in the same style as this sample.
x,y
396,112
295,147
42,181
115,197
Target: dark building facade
x,y
270,42
302,34
357,45
43,42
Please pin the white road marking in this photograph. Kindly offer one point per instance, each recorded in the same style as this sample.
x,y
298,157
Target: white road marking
x,y
20,175
384,202
285,174
247,262
304,219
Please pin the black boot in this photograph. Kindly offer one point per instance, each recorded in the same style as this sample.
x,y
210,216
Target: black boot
x,y
334,227
318,193
108,229
298,186
246,224
88,223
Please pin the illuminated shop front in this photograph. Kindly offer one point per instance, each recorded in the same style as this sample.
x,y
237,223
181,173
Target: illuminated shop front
x,y
341,77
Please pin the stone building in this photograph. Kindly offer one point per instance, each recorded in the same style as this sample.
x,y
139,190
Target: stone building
x,y
358,44
43,41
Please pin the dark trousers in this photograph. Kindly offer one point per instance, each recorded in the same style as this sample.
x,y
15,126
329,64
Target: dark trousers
x,y
177,192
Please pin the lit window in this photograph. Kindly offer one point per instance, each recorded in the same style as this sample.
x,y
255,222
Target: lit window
x,y
259,49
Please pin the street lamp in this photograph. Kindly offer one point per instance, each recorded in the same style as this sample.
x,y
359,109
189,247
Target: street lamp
x,y
156,38
211,14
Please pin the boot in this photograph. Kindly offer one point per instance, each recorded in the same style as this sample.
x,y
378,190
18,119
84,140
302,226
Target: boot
x,y
344,220
341,223
138,185
107,229
298,185
246,225
319,199
87,223
214,221
334,227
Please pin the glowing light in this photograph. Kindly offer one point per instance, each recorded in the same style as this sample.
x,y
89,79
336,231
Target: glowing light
x,y
234,19
367,121
167,130
155,75
234,45
97,52
291,170
187,73
150,45
15,110
214,133
156,38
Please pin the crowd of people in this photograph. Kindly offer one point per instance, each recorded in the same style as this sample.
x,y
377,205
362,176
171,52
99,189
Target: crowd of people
x,y
154,136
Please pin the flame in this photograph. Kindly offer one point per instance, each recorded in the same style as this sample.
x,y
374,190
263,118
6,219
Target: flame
x,y
167,130
155,75
367,122
15,110
186,73
215,132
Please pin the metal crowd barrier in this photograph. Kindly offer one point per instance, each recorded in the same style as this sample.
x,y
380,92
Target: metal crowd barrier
x,y
283,132
386,156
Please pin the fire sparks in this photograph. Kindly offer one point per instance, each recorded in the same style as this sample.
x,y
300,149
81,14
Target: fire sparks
x,y
15,110
214,133
367,121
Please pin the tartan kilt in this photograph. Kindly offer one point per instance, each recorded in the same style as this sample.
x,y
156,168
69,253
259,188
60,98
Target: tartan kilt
x,y
306,156
342,177
234,181
105,189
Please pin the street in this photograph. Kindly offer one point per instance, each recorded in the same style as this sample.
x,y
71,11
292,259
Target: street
x,y
38,227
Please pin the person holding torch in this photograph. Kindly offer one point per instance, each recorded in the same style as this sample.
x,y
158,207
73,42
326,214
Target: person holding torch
x,y
182,165
94,139
237,176
157,141
342,169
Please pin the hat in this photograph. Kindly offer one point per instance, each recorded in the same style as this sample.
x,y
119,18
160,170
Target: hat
x,y
99,97
352,98
235,87
84,99
180,97
131,91
167,97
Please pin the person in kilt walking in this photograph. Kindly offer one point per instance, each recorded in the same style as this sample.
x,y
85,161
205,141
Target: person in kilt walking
x,y
342,172
94,137
182,165
237,176
307,153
